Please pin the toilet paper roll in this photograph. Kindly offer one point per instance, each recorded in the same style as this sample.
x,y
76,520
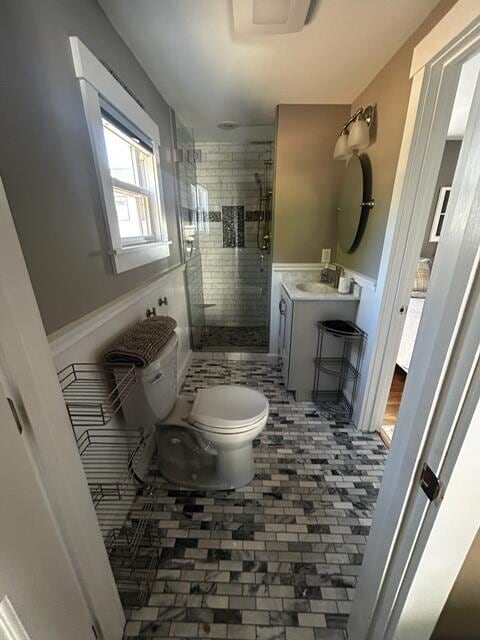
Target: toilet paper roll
x,y
344,285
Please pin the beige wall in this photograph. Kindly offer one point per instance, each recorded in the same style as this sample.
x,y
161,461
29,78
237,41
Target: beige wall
x,y
460,618
307,181
389,91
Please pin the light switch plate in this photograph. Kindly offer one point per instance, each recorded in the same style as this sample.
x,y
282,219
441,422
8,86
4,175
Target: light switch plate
x,y
326,255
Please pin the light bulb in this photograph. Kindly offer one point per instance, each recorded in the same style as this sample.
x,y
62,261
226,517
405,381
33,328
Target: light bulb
x,y
359,136
342,150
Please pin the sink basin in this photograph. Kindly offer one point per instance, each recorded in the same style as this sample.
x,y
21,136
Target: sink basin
x,y
315,287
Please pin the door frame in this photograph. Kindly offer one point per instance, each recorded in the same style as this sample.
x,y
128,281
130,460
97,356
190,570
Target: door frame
x,y
11,627
405,228
407,531
47,432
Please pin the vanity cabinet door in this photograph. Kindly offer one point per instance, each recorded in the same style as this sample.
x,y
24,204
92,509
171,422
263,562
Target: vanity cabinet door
x,y
303,342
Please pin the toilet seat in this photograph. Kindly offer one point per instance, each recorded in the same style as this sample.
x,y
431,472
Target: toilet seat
x,y
212,431
228,408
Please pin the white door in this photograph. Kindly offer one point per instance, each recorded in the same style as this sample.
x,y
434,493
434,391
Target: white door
x,y
417,546
51,446
35,572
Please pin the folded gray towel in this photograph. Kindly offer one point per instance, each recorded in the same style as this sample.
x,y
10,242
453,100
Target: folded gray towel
x,y
141,344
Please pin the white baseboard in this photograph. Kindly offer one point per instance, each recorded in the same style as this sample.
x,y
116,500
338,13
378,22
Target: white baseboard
x,y
72,333
297,266
364,281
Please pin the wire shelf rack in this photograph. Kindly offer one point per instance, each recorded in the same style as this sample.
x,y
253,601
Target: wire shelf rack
x,y
337,367
333,405
94,393
135,580
134,532
133,554
111,455
109,458
346,338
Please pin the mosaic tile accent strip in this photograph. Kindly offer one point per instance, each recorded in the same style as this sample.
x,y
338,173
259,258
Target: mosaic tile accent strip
x,y
233,219
278,559
215,216
228,170
236,282
252,216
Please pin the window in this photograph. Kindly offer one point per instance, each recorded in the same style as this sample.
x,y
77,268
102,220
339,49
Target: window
x,y
125,143
132,170
202,208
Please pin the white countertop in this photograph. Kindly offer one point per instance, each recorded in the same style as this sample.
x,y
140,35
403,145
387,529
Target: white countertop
x,y
329,293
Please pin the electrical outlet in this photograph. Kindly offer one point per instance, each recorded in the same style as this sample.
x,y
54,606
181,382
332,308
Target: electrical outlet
x,y
326,255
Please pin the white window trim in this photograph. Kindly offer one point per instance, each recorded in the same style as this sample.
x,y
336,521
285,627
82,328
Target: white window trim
x,y
97,82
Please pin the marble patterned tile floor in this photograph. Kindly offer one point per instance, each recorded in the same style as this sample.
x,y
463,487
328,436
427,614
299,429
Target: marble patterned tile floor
x,y
278,559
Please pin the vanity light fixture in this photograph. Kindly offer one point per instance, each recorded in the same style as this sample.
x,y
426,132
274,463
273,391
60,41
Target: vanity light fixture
x,y
355,134
342,151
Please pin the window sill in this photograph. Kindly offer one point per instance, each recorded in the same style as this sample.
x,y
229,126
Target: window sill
x,y
135,256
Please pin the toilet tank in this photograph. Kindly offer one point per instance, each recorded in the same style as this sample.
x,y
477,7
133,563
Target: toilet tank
x,y
155,393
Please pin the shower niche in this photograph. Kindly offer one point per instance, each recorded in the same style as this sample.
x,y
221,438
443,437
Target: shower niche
x,y
225,192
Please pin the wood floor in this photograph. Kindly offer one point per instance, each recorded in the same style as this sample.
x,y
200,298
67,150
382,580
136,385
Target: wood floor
x,y
393,404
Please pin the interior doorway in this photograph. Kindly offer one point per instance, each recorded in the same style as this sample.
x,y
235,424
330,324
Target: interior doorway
x,y
434,223
439,413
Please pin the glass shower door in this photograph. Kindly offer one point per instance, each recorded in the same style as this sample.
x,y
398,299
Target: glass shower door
x,y
193,218
236,246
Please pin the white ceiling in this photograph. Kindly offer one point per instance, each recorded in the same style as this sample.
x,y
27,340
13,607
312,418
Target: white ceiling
x,y
209,74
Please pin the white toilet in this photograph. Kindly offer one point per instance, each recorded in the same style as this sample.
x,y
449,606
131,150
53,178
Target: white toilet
x,y
205,443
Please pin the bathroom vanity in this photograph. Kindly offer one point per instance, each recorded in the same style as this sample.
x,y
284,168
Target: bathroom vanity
x,y
302,305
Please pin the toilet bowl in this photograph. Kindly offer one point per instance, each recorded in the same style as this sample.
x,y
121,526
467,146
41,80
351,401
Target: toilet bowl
x,y
204,443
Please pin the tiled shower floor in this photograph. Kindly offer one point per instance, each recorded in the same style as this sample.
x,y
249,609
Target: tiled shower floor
x,y
278,559
234,339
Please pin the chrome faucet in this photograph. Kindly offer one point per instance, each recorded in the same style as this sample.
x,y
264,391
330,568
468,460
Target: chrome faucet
x,y
331,276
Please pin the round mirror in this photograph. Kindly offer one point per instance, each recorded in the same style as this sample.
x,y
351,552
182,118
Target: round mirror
x,y
355,202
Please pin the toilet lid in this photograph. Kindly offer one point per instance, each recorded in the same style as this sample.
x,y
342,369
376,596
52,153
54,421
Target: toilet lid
x,y
227,406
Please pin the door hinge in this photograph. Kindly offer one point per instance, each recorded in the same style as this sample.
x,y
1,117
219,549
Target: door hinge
x,y
430,483
13,409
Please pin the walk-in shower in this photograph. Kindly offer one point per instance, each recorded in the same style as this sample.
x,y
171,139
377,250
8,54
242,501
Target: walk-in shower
x,y
225,194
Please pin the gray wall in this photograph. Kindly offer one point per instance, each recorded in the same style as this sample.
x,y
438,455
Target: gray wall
x,y
46,160
445,179
307,181
389,91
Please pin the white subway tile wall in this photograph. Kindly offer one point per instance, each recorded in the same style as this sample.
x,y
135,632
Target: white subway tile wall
x,y
236,280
